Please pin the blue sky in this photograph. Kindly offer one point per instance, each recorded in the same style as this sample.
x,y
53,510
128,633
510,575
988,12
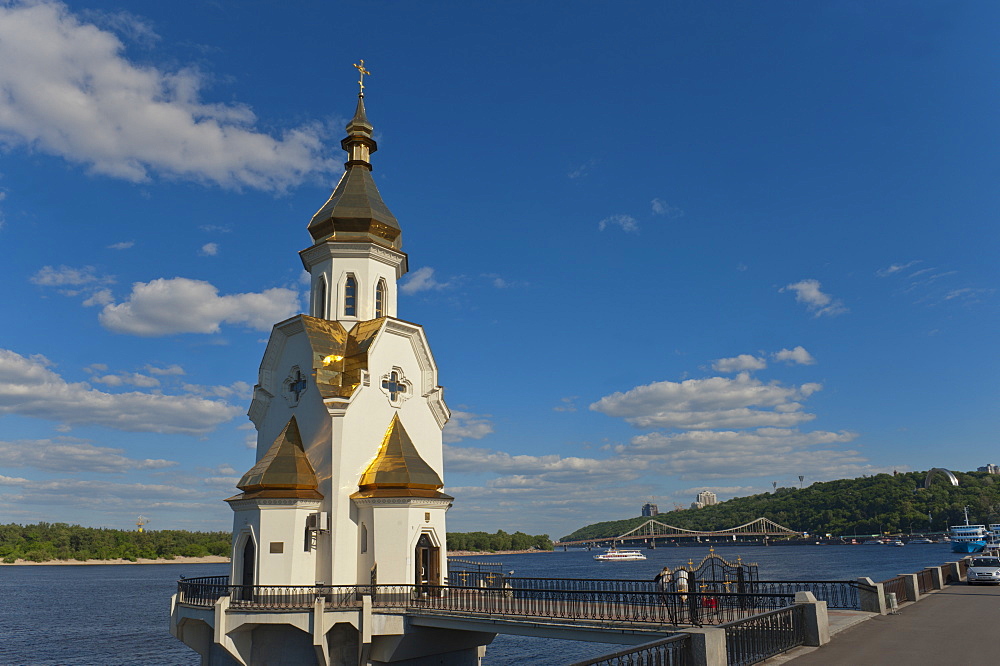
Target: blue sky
x,y
657,247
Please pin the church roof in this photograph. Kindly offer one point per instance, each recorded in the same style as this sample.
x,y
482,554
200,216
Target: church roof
x,y
355,211
398,470
284,471
339,356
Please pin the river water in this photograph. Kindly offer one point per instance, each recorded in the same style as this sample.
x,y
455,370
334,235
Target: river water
x,y
117,615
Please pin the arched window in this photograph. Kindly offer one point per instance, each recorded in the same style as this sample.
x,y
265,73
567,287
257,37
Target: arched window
x,y
321,299
380,299
351,297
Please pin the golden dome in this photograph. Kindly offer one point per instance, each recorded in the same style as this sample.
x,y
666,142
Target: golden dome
x,y
398,470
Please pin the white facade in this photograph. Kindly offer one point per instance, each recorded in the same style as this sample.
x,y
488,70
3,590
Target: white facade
x,y
346,490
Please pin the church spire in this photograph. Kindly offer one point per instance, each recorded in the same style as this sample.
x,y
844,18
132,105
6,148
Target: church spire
x,y
355,211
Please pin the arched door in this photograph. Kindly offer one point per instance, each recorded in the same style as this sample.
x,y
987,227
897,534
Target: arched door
x,y
427,564
248,564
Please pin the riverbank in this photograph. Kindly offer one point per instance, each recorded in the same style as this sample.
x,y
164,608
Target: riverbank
x,y
208,559
467,553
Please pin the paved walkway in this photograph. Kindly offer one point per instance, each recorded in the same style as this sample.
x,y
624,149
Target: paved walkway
x,y
956,625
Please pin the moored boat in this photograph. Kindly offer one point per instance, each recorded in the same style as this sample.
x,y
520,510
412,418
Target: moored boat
x,y
920,541
968,538
620,555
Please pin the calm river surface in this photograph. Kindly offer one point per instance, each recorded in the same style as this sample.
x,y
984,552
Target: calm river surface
x,y
118,615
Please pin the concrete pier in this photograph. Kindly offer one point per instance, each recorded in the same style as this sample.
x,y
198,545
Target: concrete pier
x,y
953,625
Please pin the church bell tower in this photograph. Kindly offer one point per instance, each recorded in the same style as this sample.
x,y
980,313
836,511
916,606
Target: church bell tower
x,y
359,388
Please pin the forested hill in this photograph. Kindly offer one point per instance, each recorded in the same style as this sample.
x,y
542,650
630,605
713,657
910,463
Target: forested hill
x,y
870,505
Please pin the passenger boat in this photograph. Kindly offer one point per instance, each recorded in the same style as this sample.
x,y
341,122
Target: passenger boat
x,y
920,541
616,555
874,542
895,542
968,538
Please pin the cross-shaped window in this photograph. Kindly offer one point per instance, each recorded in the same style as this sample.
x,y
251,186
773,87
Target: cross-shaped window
x,y
393,385
298,385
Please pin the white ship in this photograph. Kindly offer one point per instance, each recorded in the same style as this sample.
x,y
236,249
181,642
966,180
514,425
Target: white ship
x,y
616,555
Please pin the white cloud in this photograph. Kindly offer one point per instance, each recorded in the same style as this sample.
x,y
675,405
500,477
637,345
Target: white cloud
x,y
895,268
209,249
238,390
179,305
466,425
820,304
124,245
625,222
74,94
518,469
766,451
99,297
422,279
29,388
739,363
132,378
661,207
715,402
67,276
169,370
568,404
66,455
797,355
583,169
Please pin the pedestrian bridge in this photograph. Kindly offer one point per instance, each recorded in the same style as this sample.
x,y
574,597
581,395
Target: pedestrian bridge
x,y
653,529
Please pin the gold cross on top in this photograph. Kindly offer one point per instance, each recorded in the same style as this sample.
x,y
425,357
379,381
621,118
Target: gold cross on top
x,y
361,75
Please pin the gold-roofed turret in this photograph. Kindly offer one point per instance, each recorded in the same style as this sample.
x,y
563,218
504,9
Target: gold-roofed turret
x,y
355,211
398,470
283,472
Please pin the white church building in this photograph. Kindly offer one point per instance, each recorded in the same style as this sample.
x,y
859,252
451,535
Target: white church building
x,y
347,487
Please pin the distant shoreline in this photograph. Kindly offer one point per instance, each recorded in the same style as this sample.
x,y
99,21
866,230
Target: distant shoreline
x,y
208,559
216,559
467,553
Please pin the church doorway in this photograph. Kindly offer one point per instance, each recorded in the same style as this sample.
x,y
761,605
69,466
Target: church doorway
x,y
427,560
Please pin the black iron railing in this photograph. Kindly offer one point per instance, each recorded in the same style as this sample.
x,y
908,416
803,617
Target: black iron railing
x,y
757,638
641,607
925,581
836,593
897,585
672,651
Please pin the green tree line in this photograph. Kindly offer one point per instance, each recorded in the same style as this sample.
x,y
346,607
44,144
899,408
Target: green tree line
x,y
485,541
884,503
59,541
43,542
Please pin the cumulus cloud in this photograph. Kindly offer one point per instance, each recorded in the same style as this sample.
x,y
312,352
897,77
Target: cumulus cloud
x,y
798,356
661,207
124,245
517,469
731,454
131,378
28,387
624,222
72,456
70,91
739,363
715,402
209,249
466,425
180,305
67,276
169,370
820,304
422,279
